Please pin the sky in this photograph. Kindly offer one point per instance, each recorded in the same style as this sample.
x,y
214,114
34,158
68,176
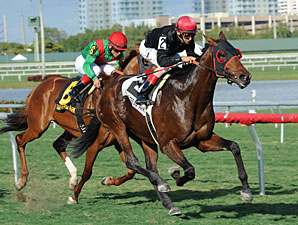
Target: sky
x,y
61,14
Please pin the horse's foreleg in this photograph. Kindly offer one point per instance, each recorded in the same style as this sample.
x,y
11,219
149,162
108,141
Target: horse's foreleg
x,y
217,143
60,146
173,151
151,156
119,180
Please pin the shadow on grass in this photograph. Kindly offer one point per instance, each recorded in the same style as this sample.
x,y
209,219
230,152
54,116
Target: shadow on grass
x,y
3,193
176,196
239,210
246,209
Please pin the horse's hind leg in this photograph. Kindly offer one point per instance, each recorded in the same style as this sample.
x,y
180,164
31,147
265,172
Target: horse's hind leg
x,y
119,180
217,143
60,146
151,156
119,131
22,139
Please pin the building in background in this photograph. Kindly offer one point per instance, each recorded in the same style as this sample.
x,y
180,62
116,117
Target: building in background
x,y
238,7
288,7
103,14
253,7
211,6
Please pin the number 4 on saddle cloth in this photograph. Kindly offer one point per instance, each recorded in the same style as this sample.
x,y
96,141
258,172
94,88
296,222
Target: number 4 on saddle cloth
x,y
66,103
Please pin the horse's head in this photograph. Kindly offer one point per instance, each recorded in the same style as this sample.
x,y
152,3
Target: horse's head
x,y
226,62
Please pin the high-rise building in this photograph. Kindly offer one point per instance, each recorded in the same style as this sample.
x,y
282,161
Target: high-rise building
x,y
288,7
252,7
238,7
211,6
103,14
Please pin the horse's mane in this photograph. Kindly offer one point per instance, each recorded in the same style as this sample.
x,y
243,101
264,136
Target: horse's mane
x,y
132,53
204,49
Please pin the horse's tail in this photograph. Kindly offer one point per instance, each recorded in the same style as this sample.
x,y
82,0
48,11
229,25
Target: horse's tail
x,y
15,122
80,145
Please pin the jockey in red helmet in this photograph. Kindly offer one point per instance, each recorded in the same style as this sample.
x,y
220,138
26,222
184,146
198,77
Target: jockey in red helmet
x,y
161,48
94,59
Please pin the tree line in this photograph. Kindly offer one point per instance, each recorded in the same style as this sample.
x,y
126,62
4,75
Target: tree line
x,y
58,40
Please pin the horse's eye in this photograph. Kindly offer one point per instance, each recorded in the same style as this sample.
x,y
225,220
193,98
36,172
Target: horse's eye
x,y
221,55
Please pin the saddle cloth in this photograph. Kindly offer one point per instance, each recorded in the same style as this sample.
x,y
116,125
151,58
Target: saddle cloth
x,y
131,88
63,102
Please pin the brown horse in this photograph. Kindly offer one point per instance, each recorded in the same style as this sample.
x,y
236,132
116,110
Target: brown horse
x,y
186,99
39,111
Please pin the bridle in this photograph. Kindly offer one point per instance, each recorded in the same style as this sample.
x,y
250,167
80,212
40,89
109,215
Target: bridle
x,y
218,65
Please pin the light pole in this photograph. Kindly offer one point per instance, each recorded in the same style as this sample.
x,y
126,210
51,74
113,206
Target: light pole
x,y
43,65
42,41
203,21
34,22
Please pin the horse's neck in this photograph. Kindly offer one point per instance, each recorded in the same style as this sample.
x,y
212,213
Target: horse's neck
x,y
204,82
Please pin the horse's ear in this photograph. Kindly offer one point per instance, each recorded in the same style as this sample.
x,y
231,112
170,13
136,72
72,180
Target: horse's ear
x,y
222,36
136,48
210,40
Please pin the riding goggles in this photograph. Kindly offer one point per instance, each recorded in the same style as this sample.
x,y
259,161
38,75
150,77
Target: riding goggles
x,y
188,35
117,51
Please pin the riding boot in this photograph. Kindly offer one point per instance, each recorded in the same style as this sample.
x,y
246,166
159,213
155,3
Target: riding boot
x,y
74,93
143,95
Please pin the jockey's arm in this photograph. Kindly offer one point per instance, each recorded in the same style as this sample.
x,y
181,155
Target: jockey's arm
x,y
87,66
164,60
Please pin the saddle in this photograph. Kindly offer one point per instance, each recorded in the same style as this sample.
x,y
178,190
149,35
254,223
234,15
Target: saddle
x,y
65,103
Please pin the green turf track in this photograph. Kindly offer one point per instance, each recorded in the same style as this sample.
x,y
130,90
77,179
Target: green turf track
x,y
212,198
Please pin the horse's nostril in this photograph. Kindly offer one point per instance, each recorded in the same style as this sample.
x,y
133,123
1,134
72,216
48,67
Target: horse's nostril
x,y
245,77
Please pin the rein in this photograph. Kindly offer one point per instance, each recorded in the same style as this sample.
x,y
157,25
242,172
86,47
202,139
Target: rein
x,y
165,69
217,74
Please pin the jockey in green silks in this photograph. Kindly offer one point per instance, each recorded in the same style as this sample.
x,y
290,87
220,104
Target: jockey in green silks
x,y
94,59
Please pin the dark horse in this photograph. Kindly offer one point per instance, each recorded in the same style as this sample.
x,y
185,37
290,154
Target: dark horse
x,y
183,116
39,111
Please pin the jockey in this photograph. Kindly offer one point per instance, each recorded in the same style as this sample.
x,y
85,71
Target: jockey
x,y
161,48
94,58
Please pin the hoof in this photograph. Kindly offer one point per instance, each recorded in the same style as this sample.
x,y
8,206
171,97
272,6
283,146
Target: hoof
x,y
174,171
70,201
164,187
246,195
105,180
72,183
175,212
18,186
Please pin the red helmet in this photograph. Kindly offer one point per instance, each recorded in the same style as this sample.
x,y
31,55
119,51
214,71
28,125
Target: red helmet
x,y
186,24
118,40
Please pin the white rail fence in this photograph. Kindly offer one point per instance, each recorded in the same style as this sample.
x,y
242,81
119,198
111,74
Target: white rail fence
x,y
67,68
271,61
